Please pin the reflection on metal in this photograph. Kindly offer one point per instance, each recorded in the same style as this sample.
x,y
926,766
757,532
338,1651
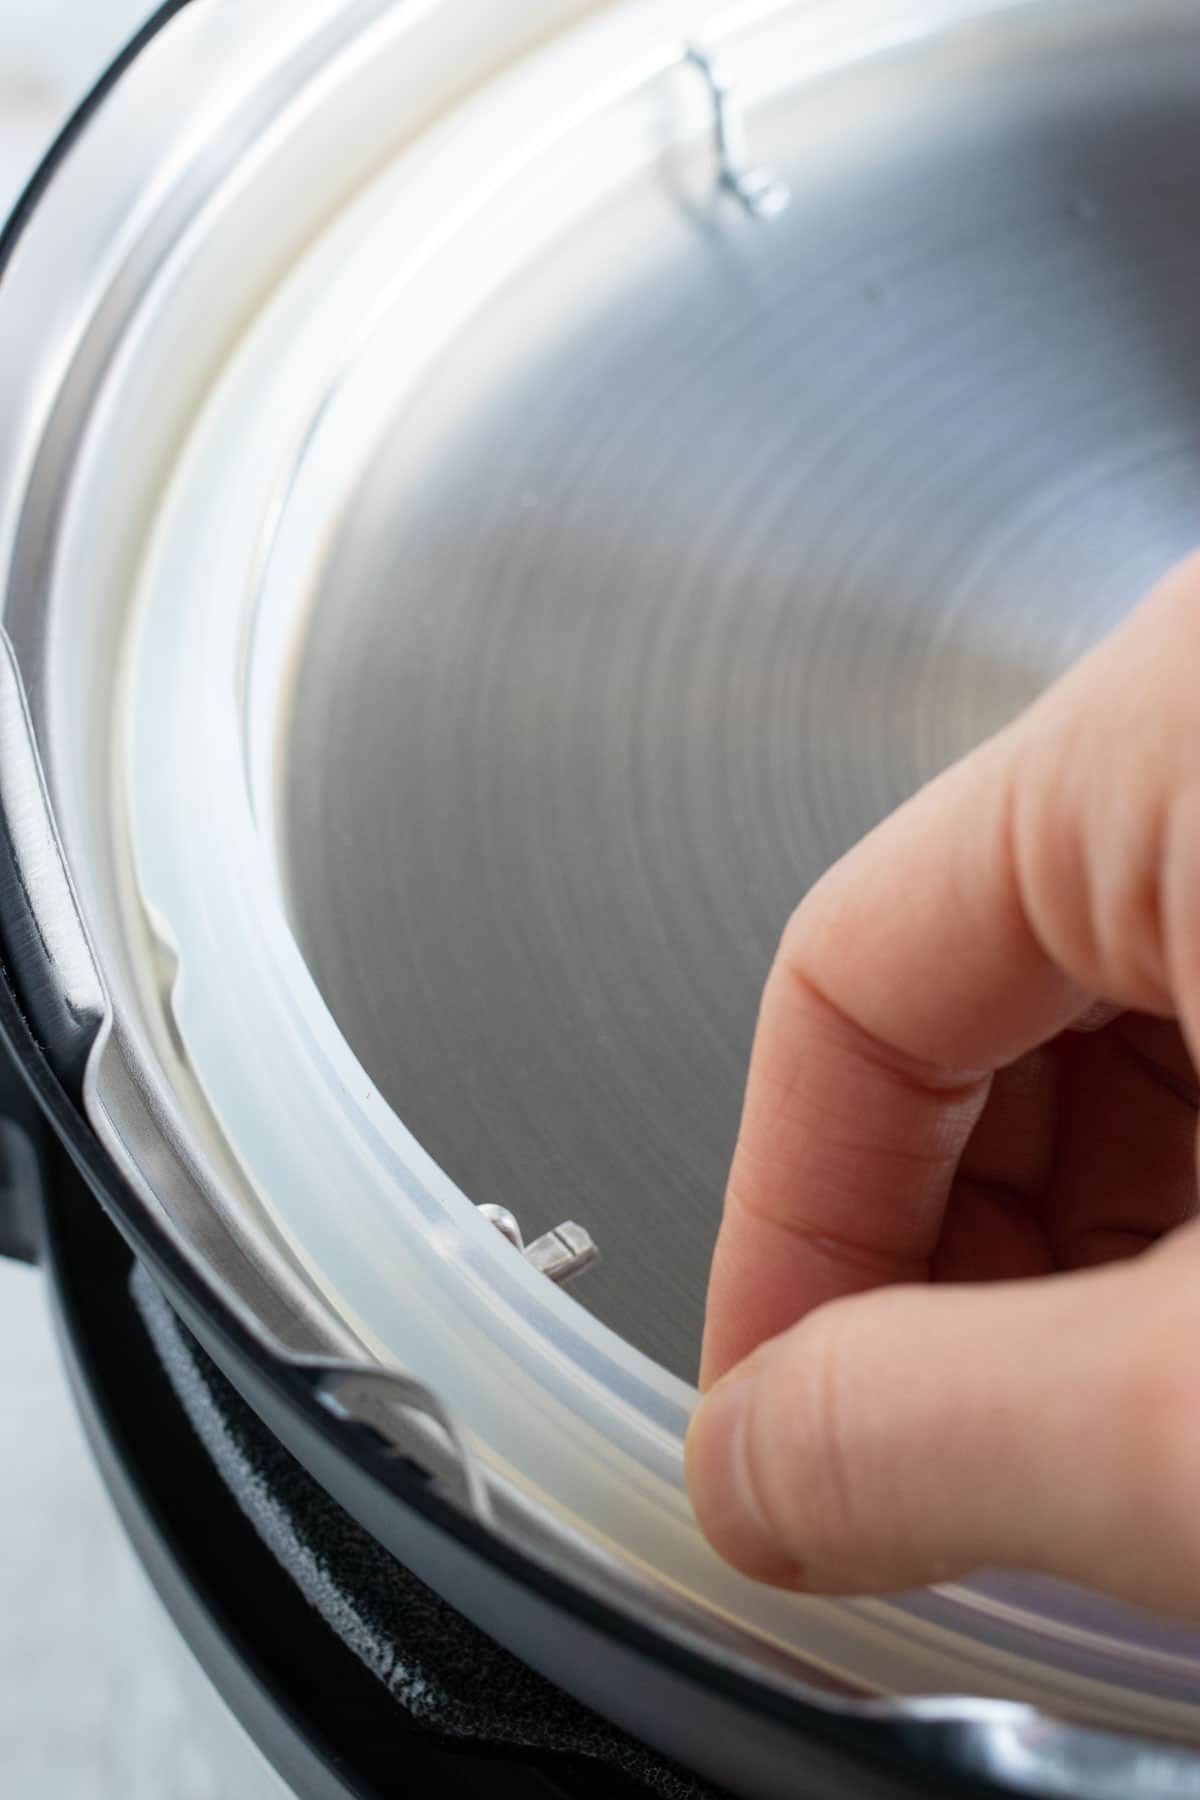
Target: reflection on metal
x,y
505,1224
45,940
760,190
561,1254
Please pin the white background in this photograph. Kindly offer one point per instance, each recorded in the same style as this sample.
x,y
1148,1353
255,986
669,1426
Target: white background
x,y
90,1702
50,51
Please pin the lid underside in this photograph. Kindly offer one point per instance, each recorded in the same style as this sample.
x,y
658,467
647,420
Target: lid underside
x,y
634,557
545,571
698,552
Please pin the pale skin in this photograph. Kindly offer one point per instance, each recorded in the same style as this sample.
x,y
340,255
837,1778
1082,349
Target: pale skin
x,y
954,1314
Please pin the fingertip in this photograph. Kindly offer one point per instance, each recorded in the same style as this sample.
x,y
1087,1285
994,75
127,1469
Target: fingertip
x,y
721,1482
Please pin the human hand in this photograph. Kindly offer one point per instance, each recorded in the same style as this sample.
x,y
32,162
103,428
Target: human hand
x,y
925,1116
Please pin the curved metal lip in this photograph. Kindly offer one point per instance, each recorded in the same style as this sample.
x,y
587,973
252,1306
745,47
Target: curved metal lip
x,y
1011,1745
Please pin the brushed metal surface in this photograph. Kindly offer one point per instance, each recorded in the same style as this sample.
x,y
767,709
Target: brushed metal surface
x,y
708,545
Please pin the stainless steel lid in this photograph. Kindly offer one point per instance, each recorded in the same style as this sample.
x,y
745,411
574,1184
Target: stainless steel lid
x,y
476,554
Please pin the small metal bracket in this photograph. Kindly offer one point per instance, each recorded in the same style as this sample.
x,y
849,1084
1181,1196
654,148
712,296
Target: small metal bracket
x,y
410,1419
560,1254
759,189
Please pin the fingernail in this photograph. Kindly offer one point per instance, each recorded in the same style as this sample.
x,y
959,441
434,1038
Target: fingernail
x,y
722,1487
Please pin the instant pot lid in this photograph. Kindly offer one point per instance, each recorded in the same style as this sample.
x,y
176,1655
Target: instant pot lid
x,y
408,509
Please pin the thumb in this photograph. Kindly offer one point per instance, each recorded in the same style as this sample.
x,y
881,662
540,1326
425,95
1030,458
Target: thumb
x,y
909,1435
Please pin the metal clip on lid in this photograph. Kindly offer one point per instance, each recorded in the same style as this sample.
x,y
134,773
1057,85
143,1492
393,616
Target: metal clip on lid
x,y
759,189
561,1254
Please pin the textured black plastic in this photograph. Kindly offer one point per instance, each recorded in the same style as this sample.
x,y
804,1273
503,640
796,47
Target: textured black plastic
x,y
442,1672
22,1143
323,1722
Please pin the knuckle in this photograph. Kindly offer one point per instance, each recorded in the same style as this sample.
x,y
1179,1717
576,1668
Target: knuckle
x,y
1090,836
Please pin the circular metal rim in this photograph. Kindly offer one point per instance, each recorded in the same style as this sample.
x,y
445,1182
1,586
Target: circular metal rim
x,y
171,10
188,674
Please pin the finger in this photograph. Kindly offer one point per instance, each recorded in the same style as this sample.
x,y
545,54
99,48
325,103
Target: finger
x,y
908,976
1013,1146
866,1451
1097,1017
1058,863
1126,1168
995,1227
1085,1154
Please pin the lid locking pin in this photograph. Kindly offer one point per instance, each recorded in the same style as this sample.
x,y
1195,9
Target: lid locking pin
x,y
560,1254
759,189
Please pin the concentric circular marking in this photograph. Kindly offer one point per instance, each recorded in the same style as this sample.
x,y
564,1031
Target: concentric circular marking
x,y
635,592
702,550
